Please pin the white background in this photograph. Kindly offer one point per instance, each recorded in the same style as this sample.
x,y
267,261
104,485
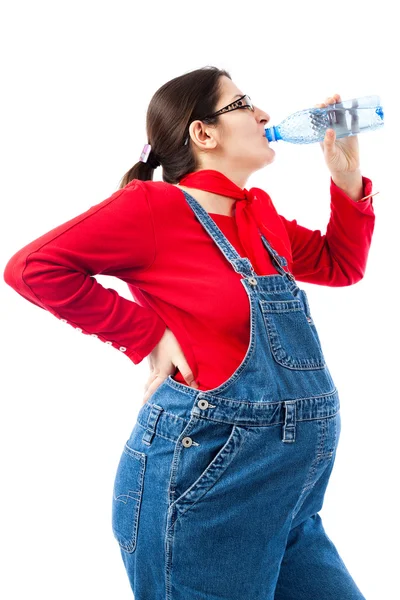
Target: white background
x,y
77,78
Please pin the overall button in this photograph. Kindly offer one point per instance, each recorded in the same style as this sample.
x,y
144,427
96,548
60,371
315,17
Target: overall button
x,y
252,280
203,404
187,442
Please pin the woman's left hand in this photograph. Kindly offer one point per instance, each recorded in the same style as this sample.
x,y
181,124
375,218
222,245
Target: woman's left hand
x,y
341,156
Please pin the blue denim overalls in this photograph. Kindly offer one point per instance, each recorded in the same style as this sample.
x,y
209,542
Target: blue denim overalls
x,y
217,492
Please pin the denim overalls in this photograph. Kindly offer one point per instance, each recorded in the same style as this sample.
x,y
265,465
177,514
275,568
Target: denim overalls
x,y
217,492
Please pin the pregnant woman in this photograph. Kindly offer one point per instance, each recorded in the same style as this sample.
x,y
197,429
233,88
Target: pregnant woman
x,y
218,489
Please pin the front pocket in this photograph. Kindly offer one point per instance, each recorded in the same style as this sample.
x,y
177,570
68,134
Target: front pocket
x,y
292,335
202,454
127,496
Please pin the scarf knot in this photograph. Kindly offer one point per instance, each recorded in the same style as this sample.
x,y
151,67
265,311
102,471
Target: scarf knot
x,y
247,212
247,197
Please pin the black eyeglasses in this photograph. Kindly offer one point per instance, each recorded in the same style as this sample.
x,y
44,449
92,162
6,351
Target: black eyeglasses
x,y
243,102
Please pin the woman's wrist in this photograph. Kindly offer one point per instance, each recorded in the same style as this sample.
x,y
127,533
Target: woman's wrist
x,y
351,183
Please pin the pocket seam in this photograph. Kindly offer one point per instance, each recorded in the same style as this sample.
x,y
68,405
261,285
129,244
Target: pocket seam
x,y
129,545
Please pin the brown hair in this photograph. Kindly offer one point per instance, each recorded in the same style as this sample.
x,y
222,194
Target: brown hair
x,y
171,110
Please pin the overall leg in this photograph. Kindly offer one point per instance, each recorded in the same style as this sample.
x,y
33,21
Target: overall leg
x,y
312,568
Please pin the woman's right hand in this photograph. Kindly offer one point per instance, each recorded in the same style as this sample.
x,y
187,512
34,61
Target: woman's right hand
x,y
163,360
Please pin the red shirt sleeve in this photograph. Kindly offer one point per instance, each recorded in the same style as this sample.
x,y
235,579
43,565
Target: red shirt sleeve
x,y
339,257
55,271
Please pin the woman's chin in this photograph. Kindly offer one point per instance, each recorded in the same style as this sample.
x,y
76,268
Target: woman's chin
x,y
270,156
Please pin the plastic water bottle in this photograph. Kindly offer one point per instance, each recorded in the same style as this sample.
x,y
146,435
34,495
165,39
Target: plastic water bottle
x,y
349,117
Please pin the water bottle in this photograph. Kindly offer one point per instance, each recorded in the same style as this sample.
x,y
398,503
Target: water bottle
x,y
349,117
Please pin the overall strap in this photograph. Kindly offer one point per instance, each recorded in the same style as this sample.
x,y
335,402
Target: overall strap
x,y
241,265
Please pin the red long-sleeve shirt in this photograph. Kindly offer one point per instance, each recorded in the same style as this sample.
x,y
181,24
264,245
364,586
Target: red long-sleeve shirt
x,y
147,235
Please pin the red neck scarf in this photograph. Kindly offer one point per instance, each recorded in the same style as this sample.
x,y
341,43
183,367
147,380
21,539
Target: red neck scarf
x,y
248,214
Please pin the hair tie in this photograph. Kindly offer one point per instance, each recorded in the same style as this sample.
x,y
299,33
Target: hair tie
x,y
150,159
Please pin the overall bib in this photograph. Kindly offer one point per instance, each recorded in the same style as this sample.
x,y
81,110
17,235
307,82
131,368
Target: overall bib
x,y
217,492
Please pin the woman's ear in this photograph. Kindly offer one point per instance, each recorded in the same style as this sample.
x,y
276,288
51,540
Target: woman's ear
x,y
204,136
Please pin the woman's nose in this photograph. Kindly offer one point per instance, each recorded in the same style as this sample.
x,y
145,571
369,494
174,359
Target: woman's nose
x,y
263,116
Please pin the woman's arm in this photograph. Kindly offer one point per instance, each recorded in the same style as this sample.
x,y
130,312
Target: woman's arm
x,y
339,257
55,271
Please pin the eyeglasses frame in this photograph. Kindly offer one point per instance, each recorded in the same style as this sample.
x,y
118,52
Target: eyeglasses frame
x,y
228,108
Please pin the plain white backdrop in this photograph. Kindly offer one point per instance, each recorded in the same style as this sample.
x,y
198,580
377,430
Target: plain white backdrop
x,y
77,78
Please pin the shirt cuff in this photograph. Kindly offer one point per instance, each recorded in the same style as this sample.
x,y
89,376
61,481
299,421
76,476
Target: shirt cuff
x,y
138,354
365,202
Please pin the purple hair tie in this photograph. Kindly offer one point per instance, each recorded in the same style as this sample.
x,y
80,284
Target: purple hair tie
x,y
145,153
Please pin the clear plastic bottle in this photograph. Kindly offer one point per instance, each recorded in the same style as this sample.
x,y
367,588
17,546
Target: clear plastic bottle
x,y
349,117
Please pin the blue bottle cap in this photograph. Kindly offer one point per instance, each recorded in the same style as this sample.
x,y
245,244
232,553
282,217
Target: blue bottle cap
x,y
272,133
268,133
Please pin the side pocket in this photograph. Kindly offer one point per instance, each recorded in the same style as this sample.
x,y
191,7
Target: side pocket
x,y
127,496
203,453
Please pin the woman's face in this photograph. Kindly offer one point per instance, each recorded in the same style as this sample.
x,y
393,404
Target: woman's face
x,y
239,140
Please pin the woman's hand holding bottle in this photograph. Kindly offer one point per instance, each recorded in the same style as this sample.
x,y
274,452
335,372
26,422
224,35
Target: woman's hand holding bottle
x,y
341,156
